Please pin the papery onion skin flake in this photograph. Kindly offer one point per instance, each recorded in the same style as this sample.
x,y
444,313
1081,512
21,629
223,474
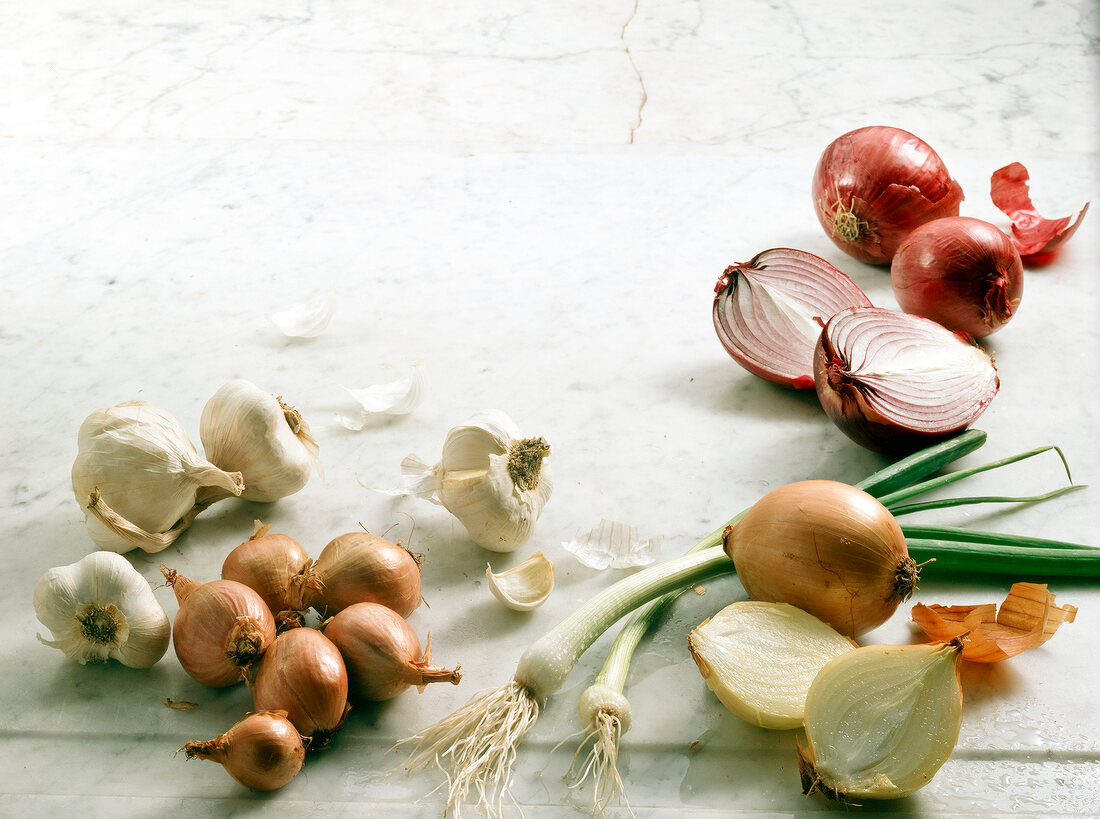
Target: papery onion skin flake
x,y
874,185
1034,237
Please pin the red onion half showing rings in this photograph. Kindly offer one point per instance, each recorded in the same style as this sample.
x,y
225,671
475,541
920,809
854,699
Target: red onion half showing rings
x,y
768,312
962,272
895,382
873,185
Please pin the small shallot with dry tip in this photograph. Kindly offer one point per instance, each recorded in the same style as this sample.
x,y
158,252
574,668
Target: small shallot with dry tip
x,y
221,629
881,720
262,751
359,567
303,674
768,312
895,382
874,185
382,653
274,565
760,658
827,548
1033,236
1027,618
960,272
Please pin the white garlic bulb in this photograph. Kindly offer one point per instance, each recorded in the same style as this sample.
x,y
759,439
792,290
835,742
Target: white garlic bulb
x,y
490,477
760,658
101,608
881,720
247,430
140,480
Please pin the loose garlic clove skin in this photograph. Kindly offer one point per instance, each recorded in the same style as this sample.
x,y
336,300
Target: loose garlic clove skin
x,y
140,480
253,432
101,608
760,658
526,586
881,720
489,477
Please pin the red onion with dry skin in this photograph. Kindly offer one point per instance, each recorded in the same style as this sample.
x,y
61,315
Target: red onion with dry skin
x,y
303,674
359,567
274,565
768,312
221,629
382,653
262,751
960,272
895,382
1033,236
874,185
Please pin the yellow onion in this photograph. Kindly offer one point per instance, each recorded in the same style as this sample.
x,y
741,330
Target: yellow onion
x,y
881,720
221,629
382,653
303,674
273,565
359,567
262,751
827,548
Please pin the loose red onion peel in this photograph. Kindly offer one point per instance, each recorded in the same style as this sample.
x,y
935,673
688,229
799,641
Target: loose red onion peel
x,y
768,312
1033,235
873,185
894,382
961,272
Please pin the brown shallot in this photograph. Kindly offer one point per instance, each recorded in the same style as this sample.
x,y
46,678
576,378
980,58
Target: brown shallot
x,y
382,653
222,627
303,674
262,751
359,567
274,565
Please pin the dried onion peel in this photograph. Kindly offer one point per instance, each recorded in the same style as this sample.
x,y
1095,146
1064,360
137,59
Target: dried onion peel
x,y
1031,233
1027,618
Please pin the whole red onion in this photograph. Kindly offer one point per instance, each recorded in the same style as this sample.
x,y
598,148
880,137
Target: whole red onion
x,y
964,273
874,185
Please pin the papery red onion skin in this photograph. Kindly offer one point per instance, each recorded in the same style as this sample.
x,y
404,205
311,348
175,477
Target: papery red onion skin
x,y
221,629
779,347
961,272
849,403
303,673
382,653
1034,237
874,185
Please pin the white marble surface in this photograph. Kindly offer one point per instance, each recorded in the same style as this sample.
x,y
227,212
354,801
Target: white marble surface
x,y
534,200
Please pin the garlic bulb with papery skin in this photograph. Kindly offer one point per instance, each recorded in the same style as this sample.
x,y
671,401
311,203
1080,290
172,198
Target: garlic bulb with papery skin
x,y
140,480
101,608
495,481
760,658
253,432
881,720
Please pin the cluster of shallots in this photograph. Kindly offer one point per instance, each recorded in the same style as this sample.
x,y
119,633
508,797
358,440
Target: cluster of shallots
x,y
141,482
824,563
891,380
250,626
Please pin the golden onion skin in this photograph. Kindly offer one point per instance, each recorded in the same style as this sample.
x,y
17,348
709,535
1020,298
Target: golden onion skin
x,y
827,548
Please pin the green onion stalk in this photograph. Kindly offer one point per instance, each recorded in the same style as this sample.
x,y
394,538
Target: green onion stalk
x,y
476,746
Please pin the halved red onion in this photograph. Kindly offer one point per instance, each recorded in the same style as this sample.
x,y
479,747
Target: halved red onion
x,y
895,382
768,312
961,272
873,185
1031,233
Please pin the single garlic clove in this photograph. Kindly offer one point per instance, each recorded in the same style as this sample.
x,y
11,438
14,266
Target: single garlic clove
x,y
760,658
525,586
881,720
